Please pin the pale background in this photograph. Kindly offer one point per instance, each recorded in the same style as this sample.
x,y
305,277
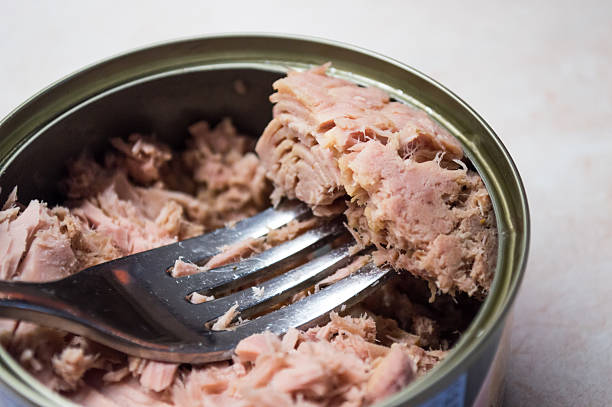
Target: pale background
x,y
539,72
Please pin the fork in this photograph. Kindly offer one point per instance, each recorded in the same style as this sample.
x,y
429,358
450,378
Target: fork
x,y
133,304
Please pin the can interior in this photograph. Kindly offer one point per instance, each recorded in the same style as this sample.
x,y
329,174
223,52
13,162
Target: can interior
x,y
163,106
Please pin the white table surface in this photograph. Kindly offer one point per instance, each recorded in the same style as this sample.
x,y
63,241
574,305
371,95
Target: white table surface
x,y
539,72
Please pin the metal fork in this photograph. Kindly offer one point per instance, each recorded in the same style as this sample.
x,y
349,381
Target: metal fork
x,y
134,305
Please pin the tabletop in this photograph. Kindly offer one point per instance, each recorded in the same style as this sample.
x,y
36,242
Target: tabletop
x,y
538,72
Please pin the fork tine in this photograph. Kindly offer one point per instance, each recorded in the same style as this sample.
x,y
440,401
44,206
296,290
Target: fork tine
x,y
198,248
245,271
278,289
316,307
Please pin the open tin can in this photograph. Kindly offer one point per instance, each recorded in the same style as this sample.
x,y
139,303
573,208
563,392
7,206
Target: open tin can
x,y
163,88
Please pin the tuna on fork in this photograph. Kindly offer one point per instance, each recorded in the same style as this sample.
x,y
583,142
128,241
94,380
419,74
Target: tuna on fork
x,y
397,175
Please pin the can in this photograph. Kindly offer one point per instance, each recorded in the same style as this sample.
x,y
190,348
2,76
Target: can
x,y
163,88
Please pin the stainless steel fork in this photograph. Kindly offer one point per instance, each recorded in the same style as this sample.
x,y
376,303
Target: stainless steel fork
x,y
134,305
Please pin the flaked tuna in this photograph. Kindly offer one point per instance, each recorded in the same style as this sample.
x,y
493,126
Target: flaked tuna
x,y
392,372
312,368
33,246
117,209
143,157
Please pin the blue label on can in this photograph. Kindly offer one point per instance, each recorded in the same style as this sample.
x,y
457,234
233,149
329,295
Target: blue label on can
x,y
452,396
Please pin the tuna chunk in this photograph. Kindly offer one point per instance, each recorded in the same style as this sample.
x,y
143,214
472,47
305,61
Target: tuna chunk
x,y
246,248
393,372
234,253
249,349
434,222
182,268
143,157
33,246
225,320
72,363
345,271
408,192
158,376
298,168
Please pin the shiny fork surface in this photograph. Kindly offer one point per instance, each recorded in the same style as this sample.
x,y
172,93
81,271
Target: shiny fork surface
x,y
133,305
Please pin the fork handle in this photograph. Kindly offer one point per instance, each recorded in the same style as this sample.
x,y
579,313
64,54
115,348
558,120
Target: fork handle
x,y
25,297
86,303
38,303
